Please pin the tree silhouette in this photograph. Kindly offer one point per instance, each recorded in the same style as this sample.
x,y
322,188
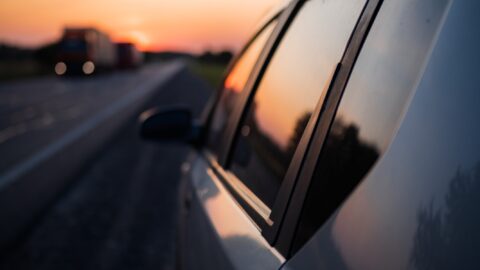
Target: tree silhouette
x,y
273,159
300,126
450,239
344,161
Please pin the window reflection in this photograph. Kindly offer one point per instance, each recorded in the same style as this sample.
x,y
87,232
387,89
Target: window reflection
x,y
449,238
233,86
418,207
345,160
383,80
262,157
293,84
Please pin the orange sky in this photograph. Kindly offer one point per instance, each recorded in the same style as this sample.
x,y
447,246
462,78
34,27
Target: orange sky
x,y
192,25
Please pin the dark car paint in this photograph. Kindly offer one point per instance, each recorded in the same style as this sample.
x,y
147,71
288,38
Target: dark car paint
x,y
400,216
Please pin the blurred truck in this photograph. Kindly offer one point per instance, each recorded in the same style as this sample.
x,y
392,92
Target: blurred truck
x,y
84,51
128,56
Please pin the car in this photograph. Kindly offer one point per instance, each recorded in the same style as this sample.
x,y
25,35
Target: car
x,y
345,136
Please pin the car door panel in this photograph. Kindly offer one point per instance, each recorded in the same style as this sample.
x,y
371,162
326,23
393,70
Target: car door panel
x,y
218,233
367,230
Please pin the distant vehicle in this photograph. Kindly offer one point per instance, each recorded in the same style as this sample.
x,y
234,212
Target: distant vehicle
x,y
345,136
84,51
128,56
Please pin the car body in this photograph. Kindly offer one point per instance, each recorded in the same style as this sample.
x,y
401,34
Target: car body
x,y
345,136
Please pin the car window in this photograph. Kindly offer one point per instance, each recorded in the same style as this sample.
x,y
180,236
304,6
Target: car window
x,y
291,87
378,92
234,84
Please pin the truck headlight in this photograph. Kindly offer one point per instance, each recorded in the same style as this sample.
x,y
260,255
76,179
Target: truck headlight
x,y
60,68
88,67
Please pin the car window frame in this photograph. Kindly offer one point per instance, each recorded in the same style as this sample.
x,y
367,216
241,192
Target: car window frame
x,y
280,233
210,108
269,223
219,163
326,115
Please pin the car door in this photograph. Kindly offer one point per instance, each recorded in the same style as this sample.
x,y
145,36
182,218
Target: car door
x,y
203,200
341,226
241,183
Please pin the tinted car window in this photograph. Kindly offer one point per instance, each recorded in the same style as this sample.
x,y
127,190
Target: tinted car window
x,y
418,208
382,82
234,85
292,85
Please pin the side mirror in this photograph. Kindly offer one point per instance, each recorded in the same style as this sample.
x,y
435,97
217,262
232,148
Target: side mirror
x,y
172,124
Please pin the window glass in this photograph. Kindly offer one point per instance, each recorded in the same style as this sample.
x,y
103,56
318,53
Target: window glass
x,y
293,83
384,77
233,86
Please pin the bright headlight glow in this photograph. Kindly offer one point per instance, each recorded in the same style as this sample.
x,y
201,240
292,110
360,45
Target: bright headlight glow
x,y
60,68
88,67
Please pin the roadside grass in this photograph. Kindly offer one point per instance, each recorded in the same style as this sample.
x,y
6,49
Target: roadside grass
x,y
212,73
20,69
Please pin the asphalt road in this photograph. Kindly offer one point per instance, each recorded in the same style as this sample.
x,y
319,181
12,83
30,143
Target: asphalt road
x,y
36,112
120,213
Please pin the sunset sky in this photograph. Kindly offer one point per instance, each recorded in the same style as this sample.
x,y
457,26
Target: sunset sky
x,y
188,25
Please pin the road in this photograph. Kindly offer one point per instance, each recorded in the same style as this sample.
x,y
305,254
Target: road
x,y
37,112
120,213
